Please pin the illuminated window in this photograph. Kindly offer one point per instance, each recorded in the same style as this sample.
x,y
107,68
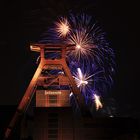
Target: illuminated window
x,y
52,99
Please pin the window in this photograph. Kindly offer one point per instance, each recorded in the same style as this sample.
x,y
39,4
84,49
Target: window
x,y
52,99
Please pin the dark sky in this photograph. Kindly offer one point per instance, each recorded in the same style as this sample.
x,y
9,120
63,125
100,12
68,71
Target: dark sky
x,y
22,22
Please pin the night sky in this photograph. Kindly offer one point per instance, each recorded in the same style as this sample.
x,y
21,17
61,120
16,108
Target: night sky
x,y
22,22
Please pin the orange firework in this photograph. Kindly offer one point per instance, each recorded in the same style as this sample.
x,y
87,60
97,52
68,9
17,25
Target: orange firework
x,y
62,27
97,102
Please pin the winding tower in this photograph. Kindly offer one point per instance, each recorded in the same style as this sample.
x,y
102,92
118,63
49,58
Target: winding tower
x,y
52,83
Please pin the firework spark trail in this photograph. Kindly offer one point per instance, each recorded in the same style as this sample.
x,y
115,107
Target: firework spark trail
x,y
97,102
80,79
83,83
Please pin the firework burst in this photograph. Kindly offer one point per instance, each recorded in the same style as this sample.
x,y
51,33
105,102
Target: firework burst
x,y
83,44
62,27
89,39
85,81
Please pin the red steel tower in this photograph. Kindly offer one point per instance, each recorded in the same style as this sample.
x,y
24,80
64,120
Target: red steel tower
x,y
52,82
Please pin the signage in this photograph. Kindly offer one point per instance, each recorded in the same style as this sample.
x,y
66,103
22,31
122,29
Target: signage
x,y
52,92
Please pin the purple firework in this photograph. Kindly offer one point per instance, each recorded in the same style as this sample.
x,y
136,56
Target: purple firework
x,y
92,61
